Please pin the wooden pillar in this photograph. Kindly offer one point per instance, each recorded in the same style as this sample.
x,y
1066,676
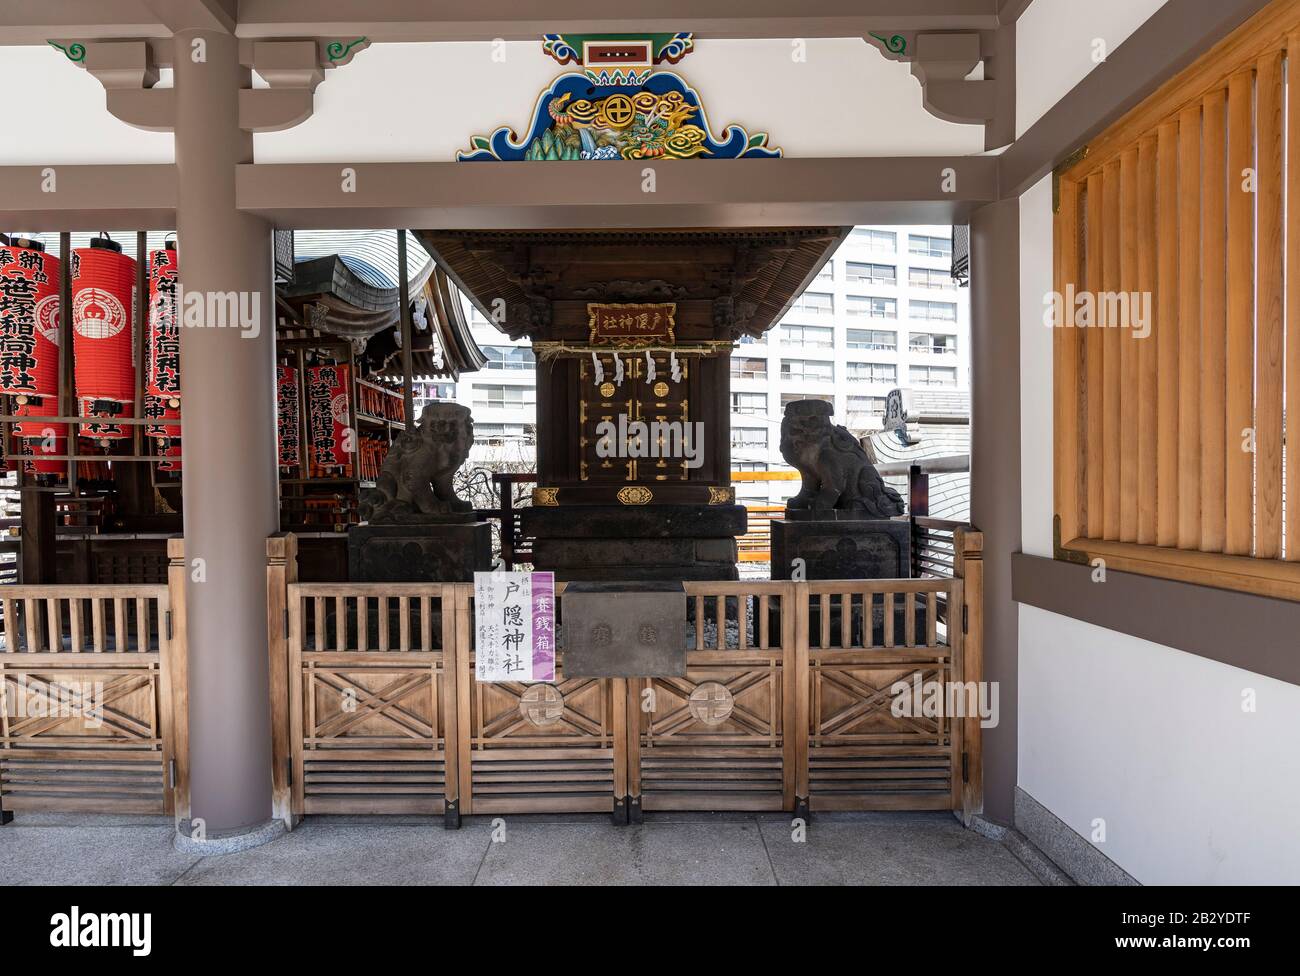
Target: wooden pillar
x,y
281,570
995,474
37,537
230,474
968,564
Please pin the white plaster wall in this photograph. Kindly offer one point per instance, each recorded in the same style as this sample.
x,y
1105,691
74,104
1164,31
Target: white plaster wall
x,y
423,102
1054,47
1036,490
1154,741
67,122
1150,739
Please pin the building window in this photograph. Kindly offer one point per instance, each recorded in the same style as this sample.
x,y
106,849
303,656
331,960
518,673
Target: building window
x,y
860,273
874,308
497,434
879,241
933,375
935,344
827,273
789,398
508,357
814,303
877,340
750,403
434,391
929,247
807,369
745,368
933,311
873,372
749,466
742,437
501,397
866,406
929,278
815,336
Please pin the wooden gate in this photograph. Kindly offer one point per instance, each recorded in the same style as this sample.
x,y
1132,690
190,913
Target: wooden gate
x,y
719,738
371,696
93,717
559,747
873,646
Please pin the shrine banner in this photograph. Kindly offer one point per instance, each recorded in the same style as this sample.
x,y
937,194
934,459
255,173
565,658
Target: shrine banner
x,y
328,417
631,324
163,376
286,398
514,620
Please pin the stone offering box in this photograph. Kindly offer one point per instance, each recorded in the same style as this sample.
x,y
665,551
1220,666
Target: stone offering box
x,y
624,630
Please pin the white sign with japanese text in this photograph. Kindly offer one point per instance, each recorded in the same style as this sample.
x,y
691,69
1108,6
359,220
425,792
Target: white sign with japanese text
x,y
514,622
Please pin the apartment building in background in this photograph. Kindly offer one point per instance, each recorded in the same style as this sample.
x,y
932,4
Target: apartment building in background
x,y
883,313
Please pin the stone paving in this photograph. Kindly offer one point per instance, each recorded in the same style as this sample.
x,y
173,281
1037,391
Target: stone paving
x,y
669,849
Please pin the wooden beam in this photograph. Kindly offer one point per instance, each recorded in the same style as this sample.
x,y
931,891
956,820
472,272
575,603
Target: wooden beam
x,y
458,20
714,193
86,197
208,15
37,21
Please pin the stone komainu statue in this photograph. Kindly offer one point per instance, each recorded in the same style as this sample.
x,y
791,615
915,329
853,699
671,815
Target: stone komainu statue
x,y
415,483
837,474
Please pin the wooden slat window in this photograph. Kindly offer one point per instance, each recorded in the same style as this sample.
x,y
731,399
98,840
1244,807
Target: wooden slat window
x,y
1177,359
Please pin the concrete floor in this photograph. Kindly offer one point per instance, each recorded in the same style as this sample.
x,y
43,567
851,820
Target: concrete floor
x,y
741,849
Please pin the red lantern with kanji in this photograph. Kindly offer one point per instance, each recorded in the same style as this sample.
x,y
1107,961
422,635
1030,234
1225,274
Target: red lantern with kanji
x,y
103,335
329,418
29,338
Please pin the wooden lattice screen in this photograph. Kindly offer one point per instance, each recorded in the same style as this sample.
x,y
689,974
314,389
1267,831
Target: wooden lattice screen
x,y
1171,416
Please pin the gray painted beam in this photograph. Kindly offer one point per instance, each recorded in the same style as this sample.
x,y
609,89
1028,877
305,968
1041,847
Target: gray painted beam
x,y
1256,633
714,193
138,196
179,15
418,20
37,21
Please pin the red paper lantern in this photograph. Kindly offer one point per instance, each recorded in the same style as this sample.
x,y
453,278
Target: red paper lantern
x,y
286,385
29,333
329,417
103,335
35,439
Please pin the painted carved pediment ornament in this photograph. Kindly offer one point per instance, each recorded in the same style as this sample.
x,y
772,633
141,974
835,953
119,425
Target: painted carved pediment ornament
x,y
619,107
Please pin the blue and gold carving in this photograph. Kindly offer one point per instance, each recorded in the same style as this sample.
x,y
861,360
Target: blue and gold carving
x,y
620,107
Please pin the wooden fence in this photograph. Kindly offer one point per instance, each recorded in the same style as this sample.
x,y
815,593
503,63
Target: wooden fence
x,y
786,704
94,710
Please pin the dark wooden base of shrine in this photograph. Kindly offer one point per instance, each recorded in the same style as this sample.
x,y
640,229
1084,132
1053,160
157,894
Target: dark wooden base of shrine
x,y
841,548
635,542
449,552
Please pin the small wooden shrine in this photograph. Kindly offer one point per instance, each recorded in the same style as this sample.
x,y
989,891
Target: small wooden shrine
x,y
633,332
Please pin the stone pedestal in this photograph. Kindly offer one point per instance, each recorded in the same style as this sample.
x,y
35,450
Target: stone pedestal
x,y
449,552
642,542
846,548
841,548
